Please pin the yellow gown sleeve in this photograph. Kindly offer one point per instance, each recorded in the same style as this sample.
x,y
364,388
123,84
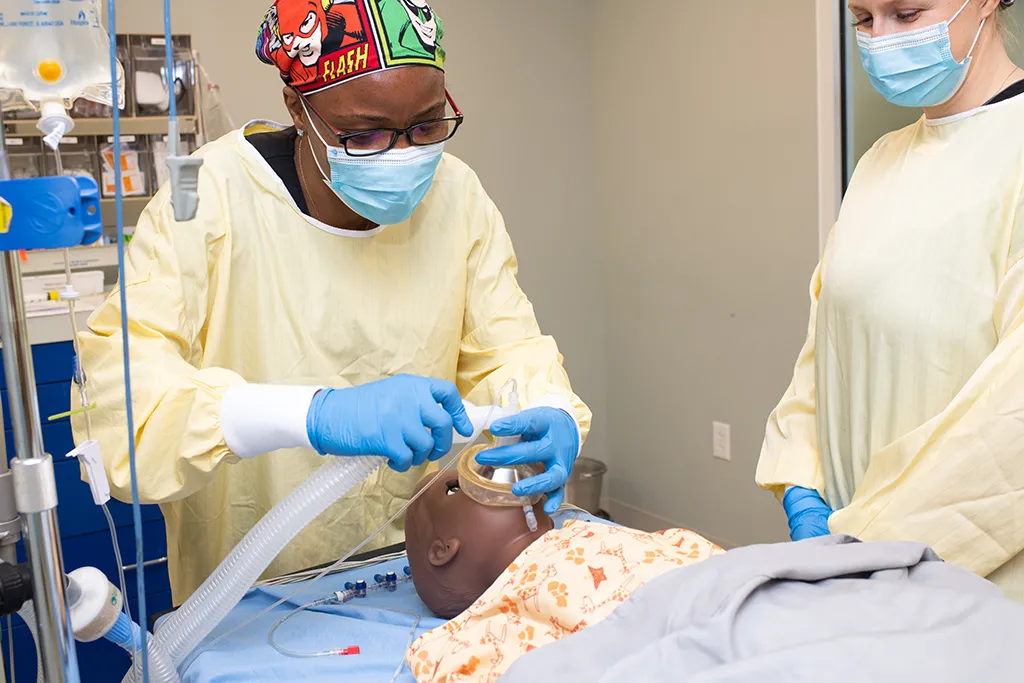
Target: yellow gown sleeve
x,y
501,337
957,482
169,274
789,454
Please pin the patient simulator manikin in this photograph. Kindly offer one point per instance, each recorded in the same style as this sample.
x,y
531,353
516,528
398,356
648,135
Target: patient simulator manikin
x,y
508,589
458,546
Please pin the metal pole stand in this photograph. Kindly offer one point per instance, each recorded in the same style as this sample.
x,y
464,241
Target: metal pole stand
x,y
38,213
35,489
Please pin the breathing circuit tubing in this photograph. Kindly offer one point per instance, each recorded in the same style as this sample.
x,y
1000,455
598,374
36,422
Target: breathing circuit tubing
x,y
183,631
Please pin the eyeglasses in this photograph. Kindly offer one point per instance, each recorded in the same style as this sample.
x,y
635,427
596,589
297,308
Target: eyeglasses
x,y
368,143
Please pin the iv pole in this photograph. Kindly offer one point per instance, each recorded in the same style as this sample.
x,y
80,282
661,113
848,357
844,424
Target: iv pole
x,y
35,489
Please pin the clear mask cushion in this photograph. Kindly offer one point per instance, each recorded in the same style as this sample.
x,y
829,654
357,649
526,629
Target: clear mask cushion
x,y
493,485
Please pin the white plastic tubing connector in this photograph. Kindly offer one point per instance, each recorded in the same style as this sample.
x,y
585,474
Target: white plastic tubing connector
x,y
206,608
478,415
54,122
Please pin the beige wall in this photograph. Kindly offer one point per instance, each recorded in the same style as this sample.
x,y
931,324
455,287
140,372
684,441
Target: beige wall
x,y
528,134
707,161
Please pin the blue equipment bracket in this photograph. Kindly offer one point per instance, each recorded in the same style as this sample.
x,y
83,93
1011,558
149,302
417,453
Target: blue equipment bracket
x,y
51,213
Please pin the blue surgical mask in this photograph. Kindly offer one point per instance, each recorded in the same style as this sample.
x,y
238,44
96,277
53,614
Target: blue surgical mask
x,y
384,188
916,68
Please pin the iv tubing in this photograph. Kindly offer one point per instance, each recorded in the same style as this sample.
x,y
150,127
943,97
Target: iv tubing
x,y
84,396
140,557
327,653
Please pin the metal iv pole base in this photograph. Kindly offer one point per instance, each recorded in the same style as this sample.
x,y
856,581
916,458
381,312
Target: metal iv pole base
x,y
35,490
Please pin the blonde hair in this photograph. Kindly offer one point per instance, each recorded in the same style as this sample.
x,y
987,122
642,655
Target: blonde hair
x,y
1007,27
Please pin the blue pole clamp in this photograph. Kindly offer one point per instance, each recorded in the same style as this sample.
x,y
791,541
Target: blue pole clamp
x,y
51,213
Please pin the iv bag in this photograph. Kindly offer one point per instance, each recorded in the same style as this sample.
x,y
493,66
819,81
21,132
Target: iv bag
x,y
54,51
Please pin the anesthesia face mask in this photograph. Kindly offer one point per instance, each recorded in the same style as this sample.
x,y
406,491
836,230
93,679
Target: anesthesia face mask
x,y
492,486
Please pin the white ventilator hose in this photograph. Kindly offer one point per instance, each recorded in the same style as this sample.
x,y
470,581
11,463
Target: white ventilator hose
x,y
28,615
160,668
191,623
207,607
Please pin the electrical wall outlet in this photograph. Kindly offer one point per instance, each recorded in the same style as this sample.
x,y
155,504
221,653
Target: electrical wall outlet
x,y
721,444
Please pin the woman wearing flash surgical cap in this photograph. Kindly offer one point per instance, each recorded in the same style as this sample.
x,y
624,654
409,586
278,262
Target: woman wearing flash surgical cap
x,y
344,251
906,412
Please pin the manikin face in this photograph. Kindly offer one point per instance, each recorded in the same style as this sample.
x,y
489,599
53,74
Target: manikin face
x,y
302,31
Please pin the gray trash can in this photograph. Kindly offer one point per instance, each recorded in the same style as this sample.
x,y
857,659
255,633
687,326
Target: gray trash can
x,y
584,486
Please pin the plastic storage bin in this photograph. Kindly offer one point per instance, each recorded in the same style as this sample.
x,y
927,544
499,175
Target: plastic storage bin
x,y
25,156
158,149
149,75
86,109
78,156
136,165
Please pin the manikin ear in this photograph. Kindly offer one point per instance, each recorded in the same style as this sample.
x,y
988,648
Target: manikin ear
x,y
441,553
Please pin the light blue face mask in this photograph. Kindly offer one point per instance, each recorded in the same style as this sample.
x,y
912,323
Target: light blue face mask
x,y
385,188
916,68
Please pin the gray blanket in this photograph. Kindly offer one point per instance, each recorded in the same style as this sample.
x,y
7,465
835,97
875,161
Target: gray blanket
x,y
822,610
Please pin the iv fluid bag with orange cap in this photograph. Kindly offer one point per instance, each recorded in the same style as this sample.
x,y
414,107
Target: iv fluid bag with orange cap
x,y
54,51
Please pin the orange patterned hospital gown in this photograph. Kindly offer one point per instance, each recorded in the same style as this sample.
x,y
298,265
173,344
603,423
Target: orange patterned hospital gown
x,y
568,579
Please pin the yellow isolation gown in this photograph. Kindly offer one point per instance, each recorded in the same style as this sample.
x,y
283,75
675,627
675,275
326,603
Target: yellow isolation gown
x,y
253,291
906,409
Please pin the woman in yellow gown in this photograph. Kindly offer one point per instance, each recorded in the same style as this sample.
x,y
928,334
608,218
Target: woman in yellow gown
x,y
906,412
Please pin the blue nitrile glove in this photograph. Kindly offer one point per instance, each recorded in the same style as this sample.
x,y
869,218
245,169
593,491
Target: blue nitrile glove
x,y
808,513
406,419
549,436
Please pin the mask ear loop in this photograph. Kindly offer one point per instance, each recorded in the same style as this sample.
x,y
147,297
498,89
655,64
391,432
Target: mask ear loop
x,y
326,178
977,36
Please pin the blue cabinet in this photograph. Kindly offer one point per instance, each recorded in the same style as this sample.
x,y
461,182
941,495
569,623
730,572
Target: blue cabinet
x,y
85,536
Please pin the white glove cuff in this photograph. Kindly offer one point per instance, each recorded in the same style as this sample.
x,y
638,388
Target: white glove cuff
x,y
565,405
260,418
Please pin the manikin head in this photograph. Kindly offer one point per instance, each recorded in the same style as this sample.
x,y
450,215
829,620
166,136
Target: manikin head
x,y
457,547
